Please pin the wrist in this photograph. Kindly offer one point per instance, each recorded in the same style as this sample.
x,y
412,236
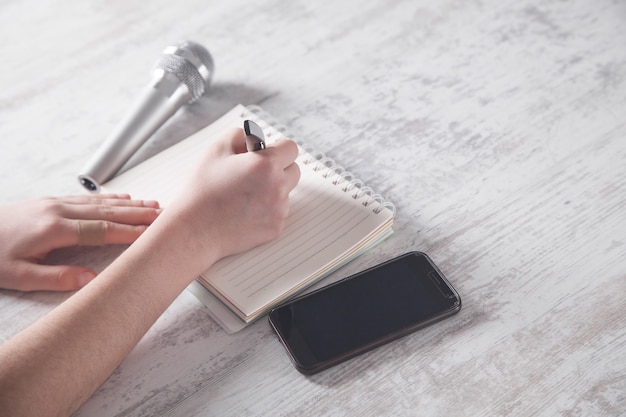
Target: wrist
x,y
174,244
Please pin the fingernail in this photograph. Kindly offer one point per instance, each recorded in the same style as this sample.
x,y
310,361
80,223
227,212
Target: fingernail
x,y
85,277
159,210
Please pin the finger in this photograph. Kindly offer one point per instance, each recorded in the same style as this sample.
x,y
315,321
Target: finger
x,y
73,232
292,173
78,197
234,140
121,234
36,277
285,151
98,233
117,214
111,200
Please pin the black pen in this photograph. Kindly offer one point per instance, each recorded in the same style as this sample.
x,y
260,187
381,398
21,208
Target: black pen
x,y
255,138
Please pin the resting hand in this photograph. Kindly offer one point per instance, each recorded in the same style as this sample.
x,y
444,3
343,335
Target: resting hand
x,y
30,230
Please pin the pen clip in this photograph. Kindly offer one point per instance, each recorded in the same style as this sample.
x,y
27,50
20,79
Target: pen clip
x,y
255,138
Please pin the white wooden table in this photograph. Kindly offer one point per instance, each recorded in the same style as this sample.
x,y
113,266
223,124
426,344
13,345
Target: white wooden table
x,y
498,129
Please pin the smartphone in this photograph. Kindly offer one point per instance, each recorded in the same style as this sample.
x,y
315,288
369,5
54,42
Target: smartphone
x,y
361,312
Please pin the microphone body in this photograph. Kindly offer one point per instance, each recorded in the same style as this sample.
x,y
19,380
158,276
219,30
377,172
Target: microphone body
x,y
181,75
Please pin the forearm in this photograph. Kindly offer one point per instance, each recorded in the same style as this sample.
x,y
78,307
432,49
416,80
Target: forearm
x,y
83,340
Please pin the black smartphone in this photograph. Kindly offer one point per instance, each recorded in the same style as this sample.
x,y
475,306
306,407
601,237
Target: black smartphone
x,y
361,312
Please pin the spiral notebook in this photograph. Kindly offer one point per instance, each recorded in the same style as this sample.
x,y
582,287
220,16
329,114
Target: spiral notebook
x,y
333,218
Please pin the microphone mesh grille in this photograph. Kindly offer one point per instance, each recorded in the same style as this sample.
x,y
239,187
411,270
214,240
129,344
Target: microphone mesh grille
x,y
185,69
200,52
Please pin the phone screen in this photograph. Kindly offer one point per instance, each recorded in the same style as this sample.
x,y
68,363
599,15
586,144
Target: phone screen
x,y
363,311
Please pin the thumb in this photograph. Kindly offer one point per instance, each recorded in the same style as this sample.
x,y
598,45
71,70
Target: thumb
x,y
55,277
234,140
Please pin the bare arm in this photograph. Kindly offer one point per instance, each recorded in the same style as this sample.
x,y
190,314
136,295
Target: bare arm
x,y
233,202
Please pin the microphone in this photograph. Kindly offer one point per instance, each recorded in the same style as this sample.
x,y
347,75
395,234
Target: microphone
x,y
181,75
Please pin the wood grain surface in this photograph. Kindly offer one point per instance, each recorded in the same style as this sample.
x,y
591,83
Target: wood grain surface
x,y
497,128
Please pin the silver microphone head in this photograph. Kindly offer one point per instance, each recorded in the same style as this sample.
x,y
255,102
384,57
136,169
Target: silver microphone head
x,y
191,63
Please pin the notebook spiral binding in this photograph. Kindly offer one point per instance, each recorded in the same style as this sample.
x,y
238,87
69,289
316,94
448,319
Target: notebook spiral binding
x,y
329,169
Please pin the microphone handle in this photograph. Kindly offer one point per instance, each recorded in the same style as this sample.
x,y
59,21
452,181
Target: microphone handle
x,y
157,103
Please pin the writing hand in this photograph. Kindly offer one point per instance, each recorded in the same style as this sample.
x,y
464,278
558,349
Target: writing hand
x,y
234,200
